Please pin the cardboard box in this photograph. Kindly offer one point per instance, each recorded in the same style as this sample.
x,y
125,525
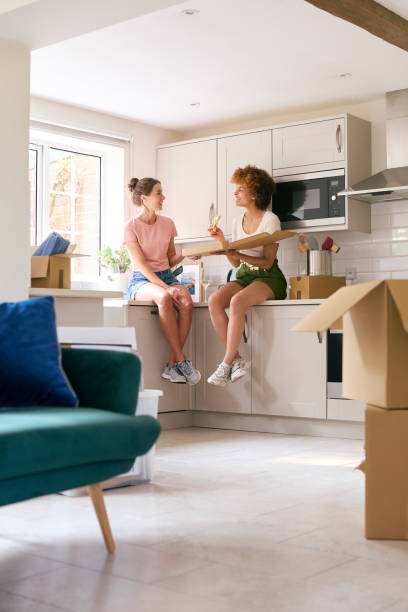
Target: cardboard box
x,y
375,339
52,271
386,472
216,246
307,287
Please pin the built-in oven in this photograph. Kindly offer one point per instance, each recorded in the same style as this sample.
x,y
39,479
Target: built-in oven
x,y
334,364
303,200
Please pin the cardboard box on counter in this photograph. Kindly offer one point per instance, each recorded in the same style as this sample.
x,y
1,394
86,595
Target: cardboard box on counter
x,y
52,271
375,339
309,287
386,473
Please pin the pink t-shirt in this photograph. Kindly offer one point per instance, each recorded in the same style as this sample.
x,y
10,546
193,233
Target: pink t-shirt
x,y
154,240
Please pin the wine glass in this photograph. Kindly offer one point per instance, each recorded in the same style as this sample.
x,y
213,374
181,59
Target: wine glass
x,y
205,283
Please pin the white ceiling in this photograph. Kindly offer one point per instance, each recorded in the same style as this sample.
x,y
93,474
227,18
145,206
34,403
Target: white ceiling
x,y
38,23
238,58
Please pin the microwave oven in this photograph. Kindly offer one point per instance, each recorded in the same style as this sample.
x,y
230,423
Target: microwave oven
x,y
312,199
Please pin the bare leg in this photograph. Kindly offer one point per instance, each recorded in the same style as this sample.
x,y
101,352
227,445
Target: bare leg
x,y
184,306
217,303
255,293
167,316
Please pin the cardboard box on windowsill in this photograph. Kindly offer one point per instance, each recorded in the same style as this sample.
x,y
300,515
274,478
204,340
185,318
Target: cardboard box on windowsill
x,y
52,271
386,465
375,339
309,287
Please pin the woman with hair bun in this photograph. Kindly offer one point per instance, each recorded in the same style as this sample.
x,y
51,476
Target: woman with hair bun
x,y
149,238
258,278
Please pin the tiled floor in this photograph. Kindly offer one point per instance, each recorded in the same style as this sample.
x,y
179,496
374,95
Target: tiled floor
x,y
232,521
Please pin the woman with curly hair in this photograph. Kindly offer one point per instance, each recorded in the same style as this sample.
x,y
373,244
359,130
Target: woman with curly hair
x,y
149,238
258,277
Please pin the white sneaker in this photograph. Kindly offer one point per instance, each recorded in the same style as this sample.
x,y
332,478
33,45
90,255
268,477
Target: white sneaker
x,y
239,368
221,376
174,376
166,372
186,370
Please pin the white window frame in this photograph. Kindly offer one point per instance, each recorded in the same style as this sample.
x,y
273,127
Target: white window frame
x,y
55,140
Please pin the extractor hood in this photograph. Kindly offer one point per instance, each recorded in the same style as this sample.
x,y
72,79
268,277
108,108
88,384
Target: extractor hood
x,y
391,183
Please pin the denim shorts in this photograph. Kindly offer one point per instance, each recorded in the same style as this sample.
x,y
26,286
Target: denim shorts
x,y
138,279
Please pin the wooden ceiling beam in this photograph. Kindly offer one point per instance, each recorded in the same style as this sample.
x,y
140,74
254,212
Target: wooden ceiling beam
x,y
370,16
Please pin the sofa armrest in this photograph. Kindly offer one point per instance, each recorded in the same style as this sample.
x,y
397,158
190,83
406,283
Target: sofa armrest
x,y
103,379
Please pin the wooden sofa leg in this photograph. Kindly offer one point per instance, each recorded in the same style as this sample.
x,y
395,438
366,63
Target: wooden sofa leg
x,y
95,491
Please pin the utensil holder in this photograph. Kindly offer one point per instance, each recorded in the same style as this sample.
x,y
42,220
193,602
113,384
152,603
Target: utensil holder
x,y
319,263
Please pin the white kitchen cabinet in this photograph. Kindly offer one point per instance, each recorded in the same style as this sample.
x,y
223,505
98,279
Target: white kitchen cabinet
x,y
188,173
309,144
154,352
288,368
235,152
234,397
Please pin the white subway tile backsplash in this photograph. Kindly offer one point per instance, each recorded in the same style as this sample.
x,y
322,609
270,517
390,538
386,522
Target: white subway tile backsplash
x,y
400,248
389,235
387,208
391,263
380,221
400,274
292,270
400,220
366,278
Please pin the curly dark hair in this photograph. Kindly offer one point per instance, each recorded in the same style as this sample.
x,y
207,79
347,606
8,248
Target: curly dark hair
x,y
258,181
139,187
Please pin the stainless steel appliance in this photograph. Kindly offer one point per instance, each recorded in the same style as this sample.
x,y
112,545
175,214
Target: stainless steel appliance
x,y
334,364
311,199
391,183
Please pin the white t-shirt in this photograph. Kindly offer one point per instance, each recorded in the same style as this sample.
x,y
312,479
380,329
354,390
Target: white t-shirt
x,y
269,223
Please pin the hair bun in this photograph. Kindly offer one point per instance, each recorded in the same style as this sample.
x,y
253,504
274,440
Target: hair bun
x,y
132,184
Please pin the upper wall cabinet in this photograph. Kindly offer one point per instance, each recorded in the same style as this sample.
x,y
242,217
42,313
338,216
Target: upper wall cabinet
x,y
188,173
235,152
197,174
321,144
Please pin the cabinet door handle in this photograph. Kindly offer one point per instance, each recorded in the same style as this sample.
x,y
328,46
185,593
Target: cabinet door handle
x,y
319,337
338,138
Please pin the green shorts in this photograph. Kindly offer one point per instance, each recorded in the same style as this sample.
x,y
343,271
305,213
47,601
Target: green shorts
x,y
273,277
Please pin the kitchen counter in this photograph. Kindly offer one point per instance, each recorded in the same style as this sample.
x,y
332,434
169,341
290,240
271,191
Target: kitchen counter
x,y
74,293
77,307
265,303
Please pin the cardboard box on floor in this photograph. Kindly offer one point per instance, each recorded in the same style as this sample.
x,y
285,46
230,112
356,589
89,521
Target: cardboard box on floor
x,y
251,242
375,339
52,271
386,467
309,287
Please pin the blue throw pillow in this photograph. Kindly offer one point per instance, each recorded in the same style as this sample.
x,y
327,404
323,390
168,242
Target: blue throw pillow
x,y
30,363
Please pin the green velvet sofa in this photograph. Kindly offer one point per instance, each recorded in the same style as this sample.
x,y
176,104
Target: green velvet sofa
x,y
46,450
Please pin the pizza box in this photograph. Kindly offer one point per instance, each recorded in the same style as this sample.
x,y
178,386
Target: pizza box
x,y
237,245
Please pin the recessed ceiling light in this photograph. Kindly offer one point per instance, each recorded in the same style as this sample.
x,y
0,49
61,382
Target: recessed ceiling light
x,y
344,75
194,104
189,12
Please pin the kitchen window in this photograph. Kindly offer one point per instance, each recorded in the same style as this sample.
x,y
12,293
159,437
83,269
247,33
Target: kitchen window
x,y
76,189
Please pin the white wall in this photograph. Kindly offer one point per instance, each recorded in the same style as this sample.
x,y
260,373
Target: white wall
x,y
381,254
142,151
14,196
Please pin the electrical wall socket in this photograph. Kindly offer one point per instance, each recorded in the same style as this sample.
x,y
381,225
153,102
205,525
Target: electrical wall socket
x,y
351,274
